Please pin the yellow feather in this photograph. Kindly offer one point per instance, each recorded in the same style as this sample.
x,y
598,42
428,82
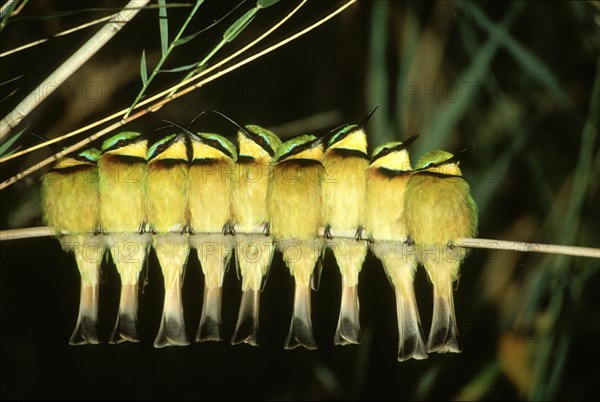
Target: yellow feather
x,y
356,140
210,188
137,149
203,151
122,195
395,160
167,196
177,150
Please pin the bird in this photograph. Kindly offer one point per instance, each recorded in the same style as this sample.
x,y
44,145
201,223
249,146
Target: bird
x,y
344,208
294,208
167,215
210,185
253,251
439,209
71,205
122,175
387,177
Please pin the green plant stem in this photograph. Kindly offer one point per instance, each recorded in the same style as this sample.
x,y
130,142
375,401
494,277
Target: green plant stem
x,y
163,59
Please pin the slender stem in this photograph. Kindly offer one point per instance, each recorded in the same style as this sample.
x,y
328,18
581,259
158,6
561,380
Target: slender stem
x,y
63,33
70,65
163,58
493,244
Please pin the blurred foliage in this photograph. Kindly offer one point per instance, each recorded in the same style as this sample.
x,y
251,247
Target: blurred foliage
x,y
520,80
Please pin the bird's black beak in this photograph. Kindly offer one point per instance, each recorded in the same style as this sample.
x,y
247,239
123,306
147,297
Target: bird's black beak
x,y
239,126
320,140
458,155
407,143
367,118
184,131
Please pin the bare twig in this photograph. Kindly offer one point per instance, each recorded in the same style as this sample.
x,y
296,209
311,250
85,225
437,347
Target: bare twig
x,y
26,233
528,247
70,65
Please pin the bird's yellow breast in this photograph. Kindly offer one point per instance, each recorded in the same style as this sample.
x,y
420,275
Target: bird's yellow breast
x,y
70,201
122,195
439,209
209,190
167,196
294,200
385,206
249,194
344,191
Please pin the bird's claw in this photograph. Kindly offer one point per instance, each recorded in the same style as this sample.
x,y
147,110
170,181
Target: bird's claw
x,y
267,229
359,233
229,229
327,232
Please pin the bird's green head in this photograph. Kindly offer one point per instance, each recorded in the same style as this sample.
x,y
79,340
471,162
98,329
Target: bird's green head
x,y
90,155
126,143
393,155
87,157
302,147
212,146
439,162
173,147
349,136
258,142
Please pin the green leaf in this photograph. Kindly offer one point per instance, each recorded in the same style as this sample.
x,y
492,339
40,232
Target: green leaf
x,y
4,147
163,24
186,39
143,70
178,69
266,3
237,27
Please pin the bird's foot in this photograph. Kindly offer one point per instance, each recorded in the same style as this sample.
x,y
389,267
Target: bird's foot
x,y
327,232
229,229
359,233
267,229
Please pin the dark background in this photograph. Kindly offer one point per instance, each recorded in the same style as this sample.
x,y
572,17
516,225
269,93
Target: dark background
x,y
456,73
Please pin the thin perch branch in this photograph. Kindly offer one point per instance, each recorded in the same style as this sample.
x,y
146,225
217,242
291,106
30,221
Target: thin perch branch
x,y
466,242
68,67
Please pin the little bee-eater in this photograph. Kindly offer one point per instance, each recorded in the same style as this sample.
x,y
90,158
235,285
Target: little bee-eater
x,y
344,203
387,178
294,207
210,184
439,209
254,252
167,212
122,174
72,207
